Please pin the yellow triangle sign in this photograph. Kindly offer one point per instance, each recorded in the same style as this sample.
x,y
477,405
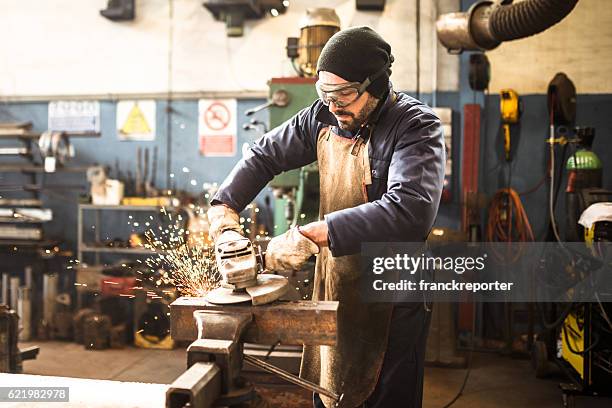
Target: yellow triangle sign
x,y
135,122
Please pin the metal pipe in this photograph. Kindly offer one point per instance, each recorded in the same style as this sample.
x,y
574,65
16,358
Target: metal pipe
x,y
24,310
5,289
49,294
28,276
293,378
487,23
14,283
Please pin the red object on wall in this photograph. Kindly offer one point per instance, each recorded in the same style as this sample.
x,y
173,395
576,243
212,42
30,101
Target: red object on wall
x,y
469,192
115,286
470,162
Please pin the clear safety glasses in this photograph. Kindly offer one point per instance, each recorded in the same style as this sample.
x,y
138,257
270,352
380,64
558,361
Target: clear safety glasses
x,y
342,95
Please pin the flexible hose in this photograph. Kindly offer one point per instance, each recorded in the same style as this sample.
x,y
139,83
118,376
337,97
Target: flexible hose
x,y
508,221
526,18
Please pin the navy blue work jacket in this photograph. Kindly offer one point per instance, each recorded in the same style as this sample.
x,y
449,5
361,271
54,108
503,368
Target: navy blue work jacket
x,y
407,158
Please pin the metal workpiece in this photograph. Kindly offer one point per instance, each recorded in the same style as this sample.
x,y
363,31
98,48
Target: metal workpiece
x,y
290,323
198,387
216,324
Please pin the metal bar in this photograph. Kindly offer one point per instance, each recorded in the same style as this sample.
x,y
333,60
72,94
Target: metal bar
x,y
40,169
24,309
124,207
14,284
49,295
11,151
291,323
96,226
135,251
80,234
293,378
5,289
199,387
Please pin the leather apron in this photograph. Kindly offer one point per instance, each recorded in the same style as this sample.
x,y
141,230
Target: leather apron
x,y
353,366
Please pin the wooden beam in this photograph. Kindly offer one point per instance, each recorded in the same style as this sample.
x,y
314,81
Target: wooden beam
x,y
295,323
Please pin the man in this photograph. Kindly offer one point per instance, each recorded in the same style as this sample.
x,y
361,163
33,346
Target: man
x,y
381,163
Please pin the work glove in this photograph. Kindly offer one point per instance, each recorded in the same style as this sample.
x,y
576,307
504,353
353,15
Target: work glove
x,y
289,251
222,218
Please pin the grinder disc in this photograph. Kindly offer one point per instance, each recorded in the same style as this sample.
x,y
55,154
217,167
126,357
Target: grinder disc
x,y
268,289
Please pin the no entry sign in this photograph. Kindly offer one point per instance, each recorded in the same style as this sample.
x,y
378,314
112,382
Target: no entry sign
x,y
217,127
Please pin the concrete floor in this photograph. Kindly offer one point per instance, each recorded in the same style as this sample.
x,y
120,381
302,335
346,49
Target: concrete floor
x,y
495,381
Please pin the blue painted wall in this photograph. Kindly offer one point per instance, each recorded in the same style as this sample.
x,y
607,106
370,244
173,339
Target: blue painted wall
x,y
527,168
105,150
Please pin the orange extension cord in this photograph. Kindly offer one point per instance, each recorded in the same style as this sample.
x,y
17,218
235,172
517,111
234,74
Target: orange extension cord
x,y
508,222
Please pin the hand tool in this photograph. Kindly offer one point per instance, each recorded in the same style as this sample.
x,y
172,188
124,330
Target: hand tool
x,y
241,264
510,107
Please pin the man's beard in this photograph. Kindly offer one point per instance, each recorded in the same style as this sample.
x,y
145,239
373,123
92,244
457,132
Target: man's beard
x,y
359,118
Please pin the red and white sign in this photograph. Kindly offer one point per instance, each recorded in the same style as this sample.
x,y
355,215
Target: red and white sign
x,y
217,127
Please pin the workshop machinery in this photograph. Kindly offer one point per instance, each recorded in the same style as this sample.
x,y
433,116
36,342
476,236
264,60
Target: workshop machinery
x,y
11,357
296,192
578,332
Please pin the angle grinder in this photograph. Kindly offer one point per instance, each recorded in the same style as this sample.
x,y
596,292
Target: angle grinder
x,y
241,265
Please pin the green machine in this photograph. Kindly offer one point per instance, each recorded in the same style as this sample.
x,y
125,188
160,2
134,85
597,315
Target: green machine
x,y
296,192
584,182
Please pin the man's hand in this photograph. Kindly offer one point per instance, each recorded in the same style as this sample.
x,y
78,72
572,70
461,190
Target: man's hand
x,y
289,251
222,218
316,232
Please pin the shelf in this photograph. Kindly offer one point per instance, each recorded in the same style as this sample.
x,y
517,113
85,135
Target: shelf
x,y
36,135
6,168
134,251
122,207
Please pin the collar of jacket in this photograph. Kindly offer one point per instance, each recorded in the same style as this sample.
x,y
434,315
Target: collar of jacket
x,y
325,116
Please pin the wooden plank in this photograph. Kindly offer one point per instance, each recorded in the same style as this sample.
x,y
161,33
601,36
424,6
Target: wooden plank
x,y
295,323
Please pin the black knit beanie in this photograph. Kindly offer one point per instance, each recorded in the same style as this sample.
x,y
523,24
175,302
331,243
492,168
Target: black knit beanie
x,y
356,54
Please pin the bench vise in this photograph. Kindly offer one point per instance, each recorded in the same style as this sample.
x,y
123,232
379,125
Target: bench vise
x,y
216,355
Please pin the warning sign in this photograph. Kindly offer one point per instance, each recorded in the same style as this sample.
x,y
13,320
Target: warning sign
x,y
136,120
217,127
74,116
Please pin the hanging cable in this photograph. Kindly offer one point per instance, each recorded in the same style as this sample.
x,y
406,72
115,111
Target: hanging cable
x,y
508,221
